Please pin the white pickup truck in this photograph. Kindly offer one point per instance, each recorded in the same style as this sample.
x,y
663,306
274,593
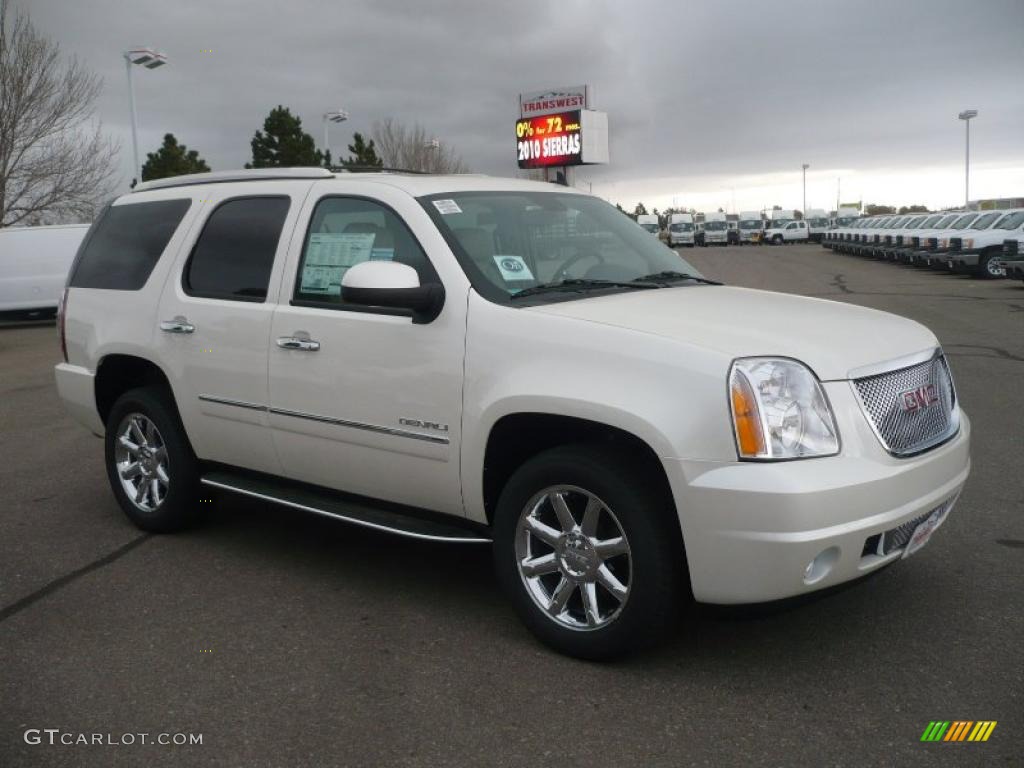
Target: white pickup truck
x,y
980,251
498,362
34,264
779,232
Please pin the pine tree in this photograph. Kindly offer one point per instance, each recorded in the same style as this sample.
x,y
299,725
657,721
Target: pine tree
x,y
172,159
363,155
283,143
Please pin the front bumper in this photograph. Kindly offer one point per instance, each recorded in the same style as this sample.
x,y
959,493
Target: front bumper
x,y
751,529
1014,269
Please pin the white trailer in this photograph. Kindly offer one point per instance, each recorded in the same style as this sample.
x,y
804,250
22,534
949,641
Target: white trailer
x,y
34,264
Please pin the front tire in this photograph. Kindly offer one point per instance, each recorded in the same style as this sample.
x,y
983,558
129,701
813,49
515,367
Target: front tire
x,y
587,549
987,269
150,465
777,240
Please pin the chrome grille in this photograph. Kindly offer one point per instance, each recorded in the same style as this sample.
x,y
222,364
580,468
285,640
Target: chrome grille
x,y
893,400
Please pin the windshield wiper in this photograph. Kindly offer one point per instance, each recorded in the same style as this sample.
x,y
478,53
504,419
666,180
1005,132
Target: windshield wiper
x,y
579,284
661,277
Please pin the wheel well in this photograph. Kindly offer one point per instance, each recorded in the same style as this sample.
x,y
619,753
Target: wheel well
x,y
116,374
518,437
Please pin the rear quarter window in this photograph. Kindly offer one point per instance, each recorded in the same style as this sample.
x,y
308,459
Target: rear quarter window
x,y
124,246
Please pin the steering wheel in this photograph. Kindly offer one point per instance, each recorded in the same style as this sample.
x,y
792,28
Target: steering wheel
x,y
560,273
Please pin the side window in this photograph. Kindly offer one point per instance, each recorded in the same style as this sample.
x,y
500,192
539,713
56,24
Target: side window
x,y
793,225
122,248
234,255
346,231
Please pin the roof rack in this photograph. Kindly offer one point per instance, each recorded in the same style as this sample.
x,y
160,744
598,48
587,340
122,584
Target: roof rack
x,y
247,174
374,169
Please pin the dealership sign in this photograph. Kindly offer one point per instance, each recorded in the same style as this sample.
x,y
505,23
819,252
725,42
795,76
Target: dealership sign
x,y
554,100
576,137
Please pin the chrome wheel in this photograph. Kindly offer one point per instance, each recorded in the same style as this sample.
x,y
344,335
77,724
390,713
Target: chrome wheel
x,y
141,462
573,557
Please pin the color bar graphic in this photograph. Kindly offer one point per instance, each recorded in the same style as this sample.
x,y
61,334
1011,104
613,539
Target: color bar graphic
x,y
958,730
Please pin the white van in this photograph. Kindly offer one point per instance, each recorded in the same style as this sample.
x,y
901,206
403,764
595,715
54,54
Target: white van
x,y
681,229
716,229
649,222
34,263
751,226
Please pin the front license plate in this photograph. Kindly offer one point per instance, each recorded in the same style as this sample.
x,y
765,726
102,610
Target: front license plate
x,y
924,531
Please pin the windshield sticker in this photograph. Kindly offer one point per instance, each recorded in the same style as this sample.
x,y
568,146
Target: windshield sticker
x,y
328,257
446,207
513,269
382,254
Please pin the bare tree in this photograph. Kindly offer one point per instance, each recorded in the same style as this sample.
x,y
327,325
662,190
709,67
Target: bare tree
x,y
412,148
55,162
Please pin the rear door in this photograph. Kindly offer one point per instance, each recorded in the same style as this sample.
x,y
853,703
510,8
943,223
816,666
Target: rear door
x,y
215,314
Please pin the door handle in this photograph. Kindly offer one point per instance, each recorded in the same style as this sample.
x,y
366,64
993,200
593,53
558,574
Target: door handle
x,y
294,342
177,325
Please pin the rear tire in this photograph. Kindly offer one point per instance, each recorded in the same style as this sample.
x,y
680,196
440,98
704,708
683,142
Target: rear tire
x,y
594,586
150,465
777,240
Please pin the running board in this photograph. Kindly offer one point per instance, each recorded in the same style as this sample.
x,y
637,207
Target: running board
x,y
355,510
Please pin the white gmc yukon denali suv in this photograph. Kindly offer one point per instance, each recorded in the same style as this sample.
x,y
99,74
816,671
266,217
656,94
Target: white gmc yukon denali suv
x,y
472,359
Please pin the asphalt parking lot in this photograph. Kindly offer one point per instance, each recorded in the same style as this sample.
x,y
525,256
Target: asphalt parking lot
x,y
286,639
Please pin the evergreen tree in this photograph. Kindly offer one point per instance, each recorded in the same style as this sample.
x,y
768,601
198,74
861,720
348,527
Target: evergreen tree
x,y
172,159
363,155
283,143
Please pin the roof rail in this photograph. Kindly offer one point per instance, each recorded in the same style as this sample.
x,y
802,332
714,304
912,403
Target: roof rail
x,y
246,174
373,169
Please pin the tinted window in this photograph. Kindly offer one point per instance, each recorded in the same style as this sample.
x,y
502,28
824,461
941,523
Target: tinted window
x,y
235,252
125,244
347,231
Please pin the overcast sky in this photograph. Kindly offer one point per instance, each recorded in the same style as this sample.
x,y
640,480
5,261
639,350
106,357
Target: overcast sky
x,y
710,103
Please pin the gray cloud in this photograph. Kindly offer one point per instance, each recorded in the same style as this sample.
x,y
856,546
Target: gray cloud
x,y
691,89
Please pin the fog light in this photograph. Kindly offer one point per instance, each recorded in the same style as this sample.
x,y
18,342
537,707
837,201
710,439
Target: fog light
x,y
821,566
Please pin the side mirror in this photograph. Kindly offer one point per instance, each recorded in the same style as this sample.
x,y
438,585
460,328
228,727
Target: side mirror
x,y
394,286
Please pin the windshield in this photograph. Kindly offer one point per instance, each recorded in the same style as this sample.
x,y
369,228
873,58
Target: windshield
x,y
715,226
750,224
845,222
947,221
930,222
650,227
1012,221
510,241
983,222
963,221
683,226
780,223
818,222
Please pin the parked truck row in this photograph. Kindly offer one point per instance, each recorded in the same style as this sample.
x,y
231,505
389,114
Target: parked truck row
x,y
984,244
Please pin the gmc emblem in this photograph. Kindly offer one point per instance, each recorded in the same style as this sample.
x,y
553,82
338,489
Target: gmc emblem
x,y
917,399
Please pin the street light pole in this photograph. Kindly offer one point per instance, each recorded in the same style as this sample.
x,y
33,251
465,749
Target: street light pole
x,y
966,116
804,211
150,59
335,116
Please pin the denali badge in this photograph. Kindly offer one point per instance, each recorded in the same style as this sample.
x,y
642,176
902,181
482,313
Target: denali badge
x,y
423,424
918,399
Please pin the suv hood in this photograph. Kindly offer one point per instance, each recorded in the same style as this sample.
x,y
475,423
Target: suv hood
x,y
831,337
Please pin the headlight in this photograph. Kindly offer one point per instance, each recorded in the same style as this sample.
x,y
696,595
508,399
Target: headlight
x,y
779,410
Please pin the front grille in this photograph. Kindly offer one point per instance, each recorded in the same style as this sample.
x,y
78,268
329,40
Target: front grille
x,y
899,239
895,539
933,243
1010,247
912,409
955,243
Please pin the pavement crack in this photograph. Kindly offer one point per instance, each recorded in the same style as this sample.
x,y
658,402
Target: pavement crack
x,y
62,581
839,281
998,352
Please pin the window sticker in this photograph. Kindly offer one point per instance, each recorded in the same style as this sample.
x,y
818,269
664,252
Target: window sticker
x,y
445,207
382,254
328,257
513,268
